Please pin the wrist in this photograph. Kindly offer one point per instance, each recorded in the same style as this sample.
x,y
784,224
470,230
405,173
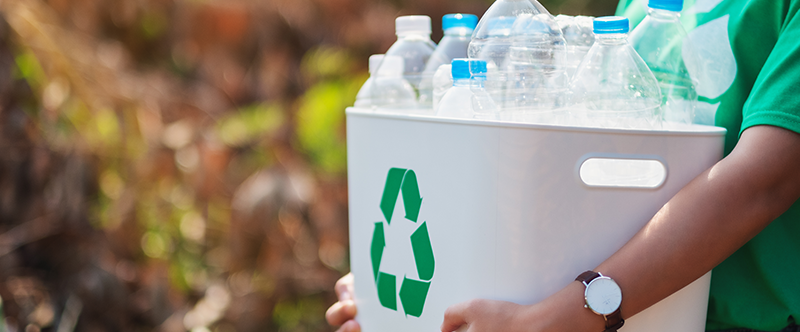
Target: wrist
x,y
603,297
564,311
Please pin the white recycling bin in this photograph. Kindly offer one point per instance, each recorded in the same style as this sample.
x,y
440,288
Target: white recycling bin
x,y
446,210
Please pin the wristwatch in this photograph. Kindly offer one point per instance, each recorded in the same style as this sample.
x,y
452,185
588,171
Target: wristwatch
x,y
603,296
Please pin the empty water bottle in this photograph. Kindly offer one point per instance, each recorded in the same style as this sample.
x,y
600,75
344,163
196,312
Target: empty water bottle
x,y
442,81
364,96
457,101
390,90
537,65
491,41
578,33
613,87
457,35
467,98
491,45
491,38
483,105
659,40
413,45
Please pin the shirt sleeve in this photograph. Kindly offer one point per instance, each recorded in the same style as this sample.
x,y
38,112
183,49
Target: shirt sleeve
x,y
775,97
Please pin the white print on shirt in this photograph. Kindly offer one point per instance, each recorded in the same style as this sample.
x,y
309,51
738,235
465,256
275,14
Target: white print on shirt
x,y
714,65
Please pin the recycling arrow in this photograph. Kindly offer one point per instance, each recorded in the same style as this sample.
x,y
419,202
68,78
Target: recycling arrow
x,y
378,243
407,180
412,292
412,295
423,252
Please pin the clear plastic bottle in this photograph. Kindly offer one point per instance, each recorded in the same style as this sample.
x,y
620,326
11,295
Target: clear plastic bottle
x,y
468,98
483,106
364,96
491,38
659,40
493,46
578,33
613,88
390,90
492,41
442,81
414,45
457,35
457,101
537,66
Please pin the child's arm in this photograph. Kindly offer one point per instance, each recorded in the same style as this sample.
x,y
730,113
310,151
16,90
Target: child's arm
x,y
709,219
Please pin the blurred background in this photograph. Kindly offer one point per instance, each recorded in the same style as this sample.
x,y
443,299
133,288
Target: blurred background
x,y
180,165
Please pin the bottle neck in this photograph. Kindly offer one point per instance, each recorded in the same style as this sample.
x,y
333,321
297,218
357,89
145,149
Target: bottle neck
x,y
461,82
663,14
612,38
414,35
458,31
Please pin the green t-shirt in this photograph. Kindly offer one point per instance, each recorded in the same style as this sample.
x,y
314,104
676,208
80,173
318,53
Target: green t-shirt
x,y
751,52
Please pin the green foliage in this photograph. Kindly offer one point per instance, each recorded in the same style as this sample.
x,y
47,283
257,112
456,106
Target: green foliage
x,y
153,24
106,128
112,86
304,314
156,244
320,115
28,68
250,123
326,62
320,124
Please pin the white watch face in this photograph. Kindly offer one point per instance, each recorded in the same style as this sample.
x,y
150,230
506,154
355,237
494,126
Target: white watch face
x,y
603,295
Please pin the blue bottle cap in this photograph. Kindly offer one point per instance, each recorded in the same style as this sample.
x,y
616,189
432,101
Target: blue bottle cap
x,y
671,5
460,69
611,24
477,68
459,20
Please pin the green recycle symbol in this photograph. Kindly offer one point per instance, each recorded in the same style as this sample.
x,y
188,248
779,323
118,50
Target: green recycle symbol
x,y
412,292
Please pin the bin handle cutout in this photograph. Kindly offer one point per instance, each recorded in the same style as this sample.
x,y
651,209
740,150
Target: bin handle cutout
x,y
622,171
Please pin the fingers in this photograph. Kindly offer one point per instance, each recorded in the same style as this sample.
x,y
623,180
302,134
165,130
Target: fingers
x,y
350,326
344,287
344,311
341,312
454,317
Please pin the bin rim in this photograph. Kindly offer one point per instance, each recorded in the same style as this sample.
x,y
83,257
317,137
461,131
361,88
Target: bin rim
x,y
675,130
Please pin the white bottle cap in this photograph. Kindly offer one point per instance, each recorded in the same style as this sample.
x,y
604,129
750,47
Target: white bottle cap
x,y
413,23
392,66
375,62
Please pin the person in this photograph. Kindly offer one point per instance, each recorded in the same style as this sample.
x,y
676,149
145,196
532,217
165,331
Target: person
x,y
740,217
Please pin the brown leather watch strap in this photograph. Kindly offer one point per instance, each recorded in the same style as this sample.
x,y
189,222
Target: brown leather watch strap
x,y
587,276
614,321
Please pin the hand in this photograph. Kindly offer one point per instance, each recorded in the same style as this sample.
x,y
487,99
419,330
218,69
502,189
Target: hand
x,y
560,312
485,315
343,312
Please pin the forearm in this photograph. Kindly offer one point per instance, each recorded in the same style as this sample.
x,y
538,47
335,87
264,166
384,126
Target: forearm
x,y
708,220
